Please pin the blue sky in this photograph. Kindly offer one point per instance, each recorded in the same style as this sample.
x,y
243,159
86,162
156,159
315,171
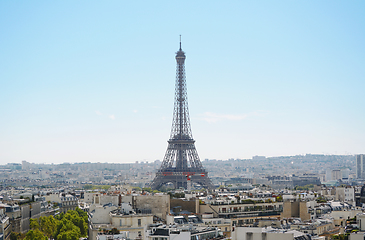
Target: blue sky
x,y
94,81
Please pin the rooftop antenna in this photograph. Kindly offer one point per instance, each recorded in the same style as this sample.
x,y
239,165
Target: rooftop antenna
x,y
180,42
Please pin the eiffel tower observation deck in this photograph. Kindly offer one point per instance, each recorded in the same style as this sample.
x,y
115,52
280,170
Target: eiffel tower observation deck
x,y
181,163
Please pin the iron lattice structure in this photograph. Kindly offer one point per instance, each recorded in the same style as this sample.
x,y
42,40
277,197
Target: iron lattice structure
x,y
181,162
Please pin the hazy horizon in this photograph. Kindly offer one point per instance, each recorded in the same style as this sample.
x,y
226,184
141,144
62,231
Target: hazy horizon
x,y
213,159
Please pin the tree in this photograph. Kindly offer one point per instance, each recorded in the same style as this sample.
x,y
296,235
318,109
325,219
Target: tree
x,y
48,225
321,199
179,195
16,236
147,189
105,187
340,237
69,235
35,235
77,220
88,186
69,226
13,236
33,224
60,216
66,229
82,214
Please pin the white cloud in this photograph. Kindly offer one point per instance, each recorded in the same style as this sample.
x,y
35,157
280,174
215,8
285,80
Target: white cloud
x,y
135,111
98,112
112,117
215,117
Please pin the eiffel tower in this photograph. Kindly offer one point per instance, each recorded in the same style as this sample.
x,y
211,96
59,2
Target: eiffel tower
x,y
181,163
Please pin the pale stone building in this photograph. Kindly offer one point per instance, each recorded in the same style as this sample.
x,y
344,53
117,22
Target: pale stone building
x,y
99,214
65,201
249,233
298,209
135,224
345,194
157,204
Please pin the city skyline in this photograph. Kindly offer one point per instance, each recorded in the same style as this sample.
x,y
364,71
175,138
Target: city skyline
x,y
94,82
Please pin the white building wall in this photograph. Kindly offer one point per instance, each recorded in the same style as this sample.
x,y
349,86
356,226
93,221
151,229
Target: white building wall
x,y
361,218
344,214
357,236
88,197
247,233
101,214
131,221
54,197
181,236
105,199
345,194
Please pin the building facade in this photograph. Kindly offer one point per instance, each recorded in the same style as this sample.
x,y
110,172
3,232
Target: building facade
x,y
360,166
5,227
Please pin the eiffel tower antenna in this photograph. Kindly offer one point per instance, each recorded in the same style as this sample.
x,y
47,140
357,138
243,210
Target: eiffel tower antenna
x,y
181,162
180,42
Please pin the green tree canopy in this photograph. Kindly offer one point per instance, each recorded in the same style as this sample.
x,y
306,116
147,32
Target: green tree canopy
x,y
65,226
35,235
33,224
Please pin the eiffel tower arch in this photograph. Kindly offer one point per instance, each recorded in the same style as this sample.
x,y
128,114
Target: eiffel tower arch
x,y
181,163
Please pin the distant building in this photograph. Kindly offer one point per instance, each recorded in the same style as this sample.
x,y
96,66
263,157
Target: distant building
x,y
306,179
360,166
360,199
25,165
345,194
345,174
295,209
336,174
258,158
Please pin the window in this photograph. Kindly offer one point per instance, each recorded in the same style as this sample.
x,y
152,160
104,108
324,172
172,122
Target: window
x,y
139,222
